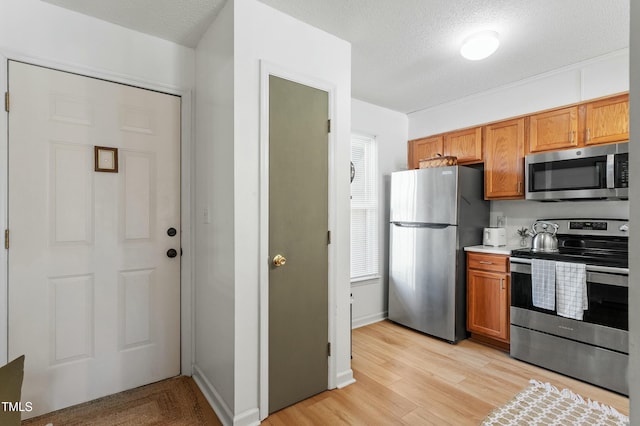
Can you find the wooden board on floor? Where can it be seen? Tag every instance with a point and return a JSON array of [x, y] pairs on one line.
[[406, 377]]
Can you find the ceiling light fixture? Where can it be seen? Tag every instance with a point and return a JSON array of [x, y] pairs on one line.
[[480, 45]]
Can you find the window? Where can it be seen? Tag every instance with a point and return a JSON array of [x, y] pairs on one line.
[[364, 209]]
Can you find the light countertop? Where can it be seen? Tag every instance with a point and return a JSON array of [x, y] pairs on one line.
[[493, 250]]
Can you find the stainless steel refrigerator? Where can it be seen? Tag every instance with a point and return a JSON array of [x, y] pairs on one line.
[[434, 214]]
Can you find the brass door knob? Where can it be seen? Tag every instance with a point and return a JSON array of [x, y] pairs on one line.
[[279, 260]]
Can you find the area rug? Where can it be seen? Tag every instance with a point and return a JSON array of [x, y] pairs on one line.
[[544, 404], [172, 402]]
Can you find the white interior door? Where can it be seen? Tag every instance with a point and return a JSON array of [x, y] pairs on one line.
[[94, 298]]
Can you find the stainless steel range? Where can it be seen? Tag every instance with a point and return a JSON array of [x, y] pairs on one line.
[[594, 349]]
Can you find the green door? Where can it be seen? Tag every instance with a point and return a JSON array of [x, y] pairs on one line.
[[298, 226]]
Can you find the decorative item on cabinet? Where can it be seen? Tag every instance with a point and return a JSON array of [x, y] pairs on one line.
[[438, 161]]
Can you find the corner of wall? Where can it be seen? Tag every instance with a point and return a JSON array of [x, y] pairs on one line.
[[345, 378], [247, 418], [221, 409]]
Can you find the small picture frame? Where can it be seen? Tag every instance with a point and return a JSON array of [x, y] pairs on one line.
[[106, 159]]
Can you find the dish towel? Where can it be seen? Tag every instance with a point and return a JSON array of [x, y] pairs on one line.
[[543, 283], [571, 282]]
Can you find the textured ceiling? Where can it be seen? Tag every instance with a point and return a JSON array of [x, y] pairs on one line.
[[181, 21], [405, 53]]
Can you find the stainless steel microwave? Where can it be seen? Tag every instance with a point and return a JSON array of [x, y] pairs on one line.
[[597, 172]]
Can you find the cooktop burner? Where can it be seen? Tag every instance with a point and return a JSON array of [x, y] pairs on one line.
[[602, 242], [590, 257]]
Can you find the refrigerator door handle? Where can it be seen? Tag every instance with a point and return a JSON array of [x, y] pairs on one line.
[[421, 225]]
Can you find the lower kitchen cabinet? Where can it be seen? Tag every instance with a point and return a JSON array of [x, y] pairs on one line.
[[488, 298]]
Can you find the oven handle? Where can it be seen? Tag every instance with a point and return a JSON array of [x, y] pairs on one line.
[[595, 274]]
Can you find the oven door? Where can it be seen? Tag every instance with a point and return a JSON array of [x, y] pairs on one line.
[[605, 323]]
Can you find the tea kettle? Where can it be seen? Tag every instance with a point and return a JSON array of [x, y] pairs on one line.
[[544, 240]]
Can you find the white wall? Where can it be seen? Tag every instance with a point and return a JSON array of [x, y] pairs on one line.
[[634, 252], [264, 34], [258, 34], [390, 131], [214, 271], [43, 34], [521, 213], [32, 29], [586, 80]]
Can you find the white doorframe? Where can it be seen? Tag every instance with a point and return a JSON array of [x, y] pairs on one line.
[[267, 69], [186, 195]]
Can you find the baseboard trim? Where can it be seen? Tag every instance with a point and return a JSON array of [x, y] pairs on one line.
[[368, 319], [222, 410], [248, 418], [345, 379]]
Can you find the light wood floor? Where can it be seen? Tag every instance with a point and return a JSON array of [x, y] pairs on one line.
[[405, 377]]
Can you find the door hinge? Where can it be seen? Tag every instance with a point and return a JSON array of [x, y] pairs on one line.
[[329, 349], [6, 239], [328, 237], [328, 126], [6, 101]]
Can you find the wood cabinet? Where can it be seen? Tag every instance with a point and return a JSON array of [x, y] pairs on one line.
[[464, 144], [553, 130], [488, 294], [504, 160], [589, 123], [605, 121], [421, 149]]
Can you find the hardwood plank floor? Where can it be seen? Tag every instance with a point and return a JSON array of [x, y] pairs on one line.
[[405, 377]]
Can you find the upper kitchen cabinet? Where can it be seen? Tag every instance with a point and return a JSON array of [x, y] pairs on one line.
[[504, 160], [553, 130], [424, 148], [605, 120], [464, 144]]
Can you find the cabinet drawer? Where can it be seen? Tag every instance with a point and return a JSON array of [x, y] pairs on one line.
[[488, 262]]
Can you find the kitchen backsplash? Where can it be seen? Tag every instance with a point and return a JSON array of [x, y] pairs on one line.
[[519, 213]]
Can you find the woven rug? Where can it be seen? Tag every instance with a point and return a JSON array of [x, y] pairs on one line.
[[171, 402], [544, 404]]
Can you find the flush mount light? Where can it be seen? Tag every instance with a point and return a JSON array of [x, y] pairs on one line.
[[480, 45]]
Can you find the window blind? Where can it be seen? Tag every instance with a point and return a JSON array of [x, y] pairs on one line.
[[364, 209]]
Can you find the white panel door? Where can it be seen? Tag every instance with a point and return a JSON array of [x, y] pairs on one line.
[[94, 298]]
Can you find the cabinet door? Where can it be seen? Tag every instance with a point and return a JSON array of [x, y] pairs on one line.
[[554, 130], [607, 120], [504, 160], [464, 144], [487, 304], [421, 149]]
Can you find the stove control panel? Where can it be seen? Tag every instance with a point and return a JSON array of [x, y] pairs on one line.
[[592, 226], [588, 226]]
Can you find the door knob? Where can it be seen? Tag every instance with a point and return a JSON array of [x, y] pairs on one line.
[[172, 253], [279, 260]]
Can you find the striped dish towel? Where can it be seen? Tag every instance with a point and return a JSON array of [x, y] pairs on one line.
[[571, 283], [543, 283]]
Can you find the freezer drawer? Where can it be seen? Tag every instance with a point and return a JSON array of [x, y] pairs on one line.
[[422, 278]]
